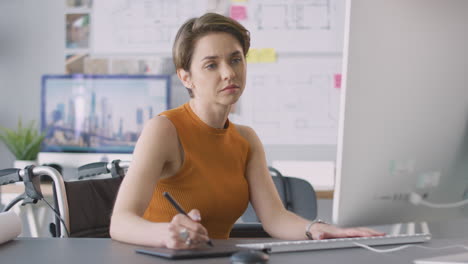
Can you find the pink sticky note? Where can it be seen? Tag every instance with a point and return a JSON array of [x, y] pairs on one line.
[[238, 12], [337, 78]]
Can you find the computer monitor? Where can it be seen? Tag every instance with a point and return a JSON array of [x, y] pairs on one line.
[[403, 125], [90, 118]]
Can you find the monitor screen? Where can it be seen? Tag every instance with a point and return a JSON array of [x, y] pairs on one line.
[[403, 125], [99, 113]]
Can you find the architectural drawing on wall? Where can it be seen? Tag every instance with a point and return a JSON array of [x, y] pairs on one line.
[[296, 26], [314, 15], [291, 95], [218, 6], [283, 15], [292, 102], [140, 26]]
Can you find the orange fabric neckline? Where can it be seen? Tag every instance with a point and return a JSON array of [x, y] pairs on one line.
[[203, 125]]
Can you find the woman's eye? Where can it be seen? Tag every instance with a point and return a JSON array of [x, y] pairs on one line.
[[211, 66], [236, 60]]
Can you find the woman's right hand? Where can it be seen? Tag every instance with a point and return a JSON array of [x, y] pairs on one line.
[[186, 232]]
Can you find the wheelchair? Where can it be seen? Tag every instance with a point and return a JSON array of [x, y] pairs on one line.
[[82, 208]]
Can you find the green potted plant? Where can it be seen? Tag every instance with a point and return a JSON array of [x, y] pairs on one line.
[[24, 143]]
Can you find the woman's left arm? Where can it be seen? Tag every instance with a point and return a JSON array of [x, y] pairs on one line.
[[276, 220]]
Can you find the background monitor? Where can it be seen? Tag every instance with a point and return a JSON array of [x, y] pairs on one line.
[[90, 118], [404, 112]]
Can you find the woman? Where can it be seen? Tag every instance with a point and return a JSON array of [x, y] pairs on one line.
[[208, 164]]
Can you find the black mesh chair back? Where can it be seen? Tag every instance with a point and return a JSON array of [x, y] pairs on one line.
[[297, 195]]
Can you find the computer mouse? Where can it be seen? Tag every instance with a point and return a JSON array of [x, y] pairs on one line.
[[249, 257]]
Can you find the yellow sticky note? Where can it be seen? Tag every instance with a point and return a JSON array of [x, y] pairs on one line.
[[268, 55], [253, 56]]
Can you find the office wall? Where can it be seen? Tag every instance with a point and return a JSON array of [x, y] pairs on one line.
[[32, 37]]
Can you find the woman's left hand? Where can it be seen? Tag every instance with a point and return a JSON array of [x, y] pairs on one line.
[[326, 231]]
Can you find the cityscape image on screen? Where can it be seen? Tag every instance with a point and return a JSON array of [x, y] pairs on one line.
[[99, 113]]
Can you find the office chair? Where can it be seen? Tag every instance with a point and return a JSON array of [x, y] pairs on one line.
[[297, 195]]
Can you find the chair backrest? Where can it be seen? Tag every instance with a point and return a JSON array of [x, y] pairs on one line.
[[90, 204], [91, 200], [297, 195]]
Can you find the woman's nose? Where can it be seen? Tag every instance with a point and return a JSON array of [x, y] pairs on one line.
[[227, 72]]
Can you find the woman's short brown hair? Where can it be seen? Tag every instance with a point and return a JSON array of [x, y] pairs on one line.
[[195, 28]]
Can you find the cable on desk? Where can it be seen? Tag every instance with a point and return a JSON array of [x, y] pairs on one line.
[[408, 246]]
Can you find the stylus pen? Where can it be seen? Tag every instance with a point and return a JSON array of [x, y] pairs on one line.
[[180, 210]]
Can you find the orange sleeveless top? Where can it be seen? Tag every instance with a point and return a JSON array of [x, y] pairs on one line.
[[211, 178]]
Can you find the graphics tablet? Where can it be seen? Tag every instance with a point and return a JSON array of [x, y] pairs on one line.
[[190, 253]]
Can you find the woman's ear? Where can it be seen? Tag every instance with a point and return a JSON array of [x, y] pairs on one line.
[[184, 77]]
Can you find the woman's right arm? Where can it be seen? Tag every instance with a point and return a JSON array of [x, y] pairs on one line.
[[156, 147]]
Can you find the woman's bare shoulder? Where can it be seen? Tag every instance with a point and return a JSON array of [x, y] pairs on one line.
[[159, 135], [248, 133], [160, 123]]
